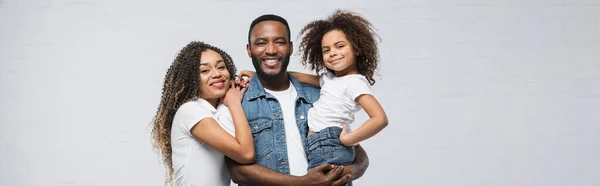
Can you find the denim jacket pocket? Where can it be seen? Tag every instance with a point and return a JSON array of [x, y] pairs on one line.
[[262, 132]]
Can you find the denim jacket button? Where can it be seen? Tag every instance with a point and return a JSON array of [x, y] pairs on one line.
[[301, 117]]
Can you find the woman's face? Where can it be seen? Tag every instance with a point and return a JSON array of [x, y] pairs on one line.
[[214, 77]]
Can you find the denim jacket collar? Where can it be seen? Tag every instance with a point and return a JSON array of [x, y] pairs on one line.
[[256, 90]]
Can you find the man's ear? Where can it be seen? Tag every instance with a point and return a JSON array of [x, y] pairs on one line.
[[291, 48], [248, 50]]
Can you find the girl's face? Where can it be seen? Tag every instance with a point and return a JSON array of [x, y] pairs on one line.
[[214, 77], [338, 53]]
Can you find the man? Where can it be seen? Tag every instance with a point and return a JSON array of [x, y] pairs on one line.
[[276, 106]]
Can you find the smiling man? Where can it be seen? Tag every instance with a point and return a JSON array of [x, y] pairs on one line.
[[276, 106]]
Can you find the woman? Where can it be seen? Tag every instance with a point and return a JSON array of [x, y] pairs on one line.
[[200, 118]]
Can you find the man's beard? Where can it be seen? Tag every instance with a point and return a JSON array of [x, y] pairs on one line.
[[259, 71]]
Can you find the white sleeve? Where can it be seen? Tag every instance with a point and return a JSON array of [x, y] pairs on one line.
[[357, 86], [325, 76], [189, 114], [225, 119]]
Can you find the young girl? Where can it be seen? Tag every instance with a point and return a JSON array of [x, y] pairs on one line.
[[200, 118], [343, 50]]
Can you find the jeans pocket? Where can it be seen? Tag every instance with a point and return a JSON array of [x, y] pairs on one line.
[[314, 157]]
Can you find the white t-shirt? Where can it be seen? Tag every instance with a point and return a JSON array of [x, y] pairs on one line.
[[336, 106], [295, 150], [193, 162]]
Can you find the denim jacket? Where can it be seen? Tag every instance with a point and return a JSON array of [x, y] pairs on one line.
[[266, 122]]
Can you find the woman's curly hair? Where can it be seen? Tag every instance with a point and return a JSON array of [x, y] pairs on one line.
[[359, 32], [181, 84]]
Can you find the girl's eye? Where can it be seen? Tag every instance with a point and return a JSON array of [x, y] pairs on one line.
[[203, 71], [222, 67]]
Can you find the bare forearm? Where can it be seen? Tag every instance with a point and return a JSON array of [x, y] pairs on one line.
[[360, 164], [371, 127], [255, 174], [242, 130], [306, 78]]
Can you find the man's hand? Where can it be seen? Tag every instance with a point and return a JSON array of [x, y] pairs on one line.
[[326, 174]]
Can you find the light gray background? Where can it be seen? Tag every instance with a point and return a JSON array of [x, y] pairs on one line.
[[478, 92]]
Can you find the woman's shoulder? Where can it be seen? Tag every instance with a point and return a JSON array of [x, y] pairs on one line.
[[190, 105], [193, 107]]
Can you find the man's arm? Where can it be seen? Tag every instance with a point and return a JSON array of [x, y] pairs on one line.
[[255, 174], [360, 164]]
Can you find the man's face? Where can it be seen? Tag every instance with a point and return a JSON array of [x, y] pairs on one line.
[[269, 48]]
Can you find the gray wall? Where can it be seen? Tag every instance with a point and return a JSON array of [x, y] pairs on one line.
[[478, 92]]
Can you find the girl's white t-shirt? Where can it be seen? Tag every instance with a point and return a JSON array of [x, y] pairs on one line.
[[337, 105], [193, 162]]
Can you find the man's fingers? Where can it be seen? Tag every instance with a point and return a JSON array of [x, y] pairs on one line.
[[323, 167], [344, 180], [335, 173]]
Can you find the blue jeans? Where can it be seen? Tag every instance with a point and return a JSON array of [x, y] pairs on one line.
[[325, 147]]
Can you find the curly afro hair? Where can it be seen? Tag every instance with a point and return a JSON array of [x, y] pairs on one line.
[[359, 32]]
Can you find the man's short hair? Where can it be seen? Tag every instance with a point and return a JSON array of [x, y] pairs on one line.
[[269, 17]]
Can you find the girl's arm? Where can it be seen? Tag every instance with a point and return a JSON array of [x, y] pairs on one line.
[[307, 78], [377, 121], [239, 148], [302, 77]]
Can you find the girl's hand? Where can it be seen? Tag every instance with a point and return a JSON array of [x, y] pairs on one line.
[[344, 137], [234, 95]]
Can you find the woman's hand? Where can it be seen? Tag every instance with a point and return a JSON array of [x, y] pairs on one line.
[[243, 79], [234, 94], [246, 73]]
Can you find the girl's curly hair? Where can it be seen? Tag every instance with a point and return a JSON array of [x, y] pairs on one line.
[[359, 32], [181, 84]]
